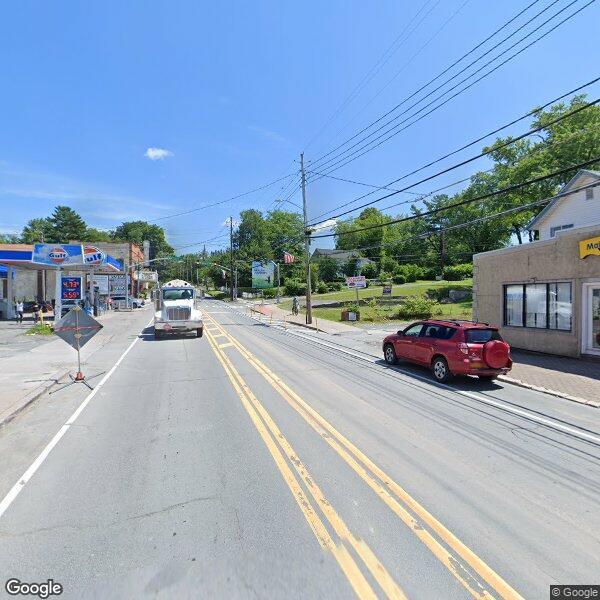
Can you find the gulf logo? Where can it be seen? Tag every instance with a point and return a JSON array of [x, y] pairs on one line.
[[57, 255], [92, 255]]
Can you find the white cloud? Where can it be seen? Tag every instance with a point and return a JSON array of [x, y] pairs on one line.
[[324, 225], [157, 153]]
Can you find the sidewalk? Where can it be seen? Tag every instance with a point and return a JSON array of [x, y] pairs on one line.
[[31, 365], [570, 378]]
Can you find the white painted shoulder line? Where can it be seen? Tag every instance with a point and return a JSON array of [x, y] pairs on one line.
[[36, 464]]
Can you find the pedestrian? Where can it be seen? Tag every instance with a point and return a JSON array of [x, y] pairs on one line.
[[295, 305], [19, 308]]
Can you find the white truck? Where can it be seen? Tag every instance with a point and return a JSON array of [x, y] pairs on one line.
[[176, 310]]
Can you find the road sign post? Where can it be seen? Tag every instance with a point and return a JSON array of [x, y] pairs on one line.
[[77, 328]]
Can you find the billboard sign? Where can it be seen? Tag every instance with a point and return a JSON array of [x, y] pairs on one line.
[[146, 246], [101, 282], [356, 283], [262, 274], [57, 255], [117, 284], [70, 288]]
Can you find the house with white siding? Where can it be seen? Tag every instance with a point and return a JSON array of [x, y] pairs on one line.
[[545, 295], [579, 209]]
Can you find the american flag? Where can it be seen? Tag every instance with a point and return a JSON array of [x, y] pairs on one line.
[[288, 258]]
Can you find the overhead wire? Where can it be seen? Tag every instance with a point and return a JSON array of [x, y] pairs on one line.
[[441, 74], [460, 164], [397, 129]]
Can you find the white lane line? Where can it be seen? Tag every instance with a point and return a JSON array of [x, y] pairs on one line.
[[497, 404], [36, 464]]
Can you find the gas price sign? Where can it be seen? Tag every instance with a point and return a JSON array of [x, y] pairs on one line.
[[71, 288]]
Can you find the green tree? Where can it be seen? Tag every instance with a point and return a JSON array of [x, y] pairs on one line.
[[328, 268], [67, 225], [138, 231], [37, 230], [97, 235]]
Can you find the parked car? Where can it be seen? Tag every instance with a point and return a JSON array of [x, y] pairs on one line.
[[451, 348]]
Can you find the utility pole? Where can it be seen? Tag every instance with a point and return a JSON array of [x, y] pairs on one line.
[[231, 257], [306, 242], [442, 253]]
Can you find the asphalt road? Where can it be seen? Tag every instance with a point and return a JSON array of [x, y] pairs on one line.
[[262, 463]]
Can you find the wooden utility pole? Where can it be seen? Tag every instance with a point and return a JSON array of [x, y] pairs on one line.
[[306, 242], [231, 259]]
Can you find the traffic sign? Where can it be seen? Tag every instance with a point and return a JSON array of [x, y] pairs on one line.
[[77, 328]]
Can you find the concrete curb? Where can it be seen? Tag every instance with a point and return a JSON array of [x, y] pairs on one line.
[[558, 394], [34, 394]]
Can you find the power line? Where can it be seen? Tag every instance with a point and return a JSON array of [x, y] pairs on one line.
[[192, 210], [397, 129], [373, 71], [510, 188], [406, 64], [464, 162], [456, 62], [439, 230], [377, 187]]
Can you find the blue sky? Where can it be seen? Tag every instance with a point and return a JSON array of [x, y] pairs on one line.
[[233, 92]]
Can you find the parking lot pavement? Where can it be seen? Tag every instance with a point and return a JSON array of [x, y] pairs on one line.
[[31, 364]]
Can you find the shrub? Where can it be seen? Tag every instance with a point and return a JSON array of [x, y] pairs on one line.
[[322, 288], [334, 286], [270, 292], [369, 270], [417, 307], [294, 288], [458, 272], [399, 278]]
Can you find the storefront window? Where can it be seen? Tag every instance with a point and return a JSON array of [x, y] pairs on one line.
[[560, 306], [535, 305], [539, 305], [513, 303]]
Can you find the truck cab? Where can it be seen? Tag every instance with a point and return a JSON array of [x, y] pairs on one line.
[[176, 310]]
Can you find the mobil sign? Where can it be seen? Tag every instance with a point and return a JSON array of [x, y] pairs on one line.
[[57, 255]]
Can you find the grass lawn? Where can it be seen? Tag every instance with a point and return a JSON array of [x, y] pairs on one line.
[[418, 288], [455, 310]]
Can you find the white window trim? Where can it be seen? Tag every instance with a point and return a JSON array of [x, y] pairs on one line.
[[585, 292]]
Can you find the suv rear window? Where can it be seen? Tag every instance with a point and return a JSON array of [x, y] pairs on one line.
[[481, 336]]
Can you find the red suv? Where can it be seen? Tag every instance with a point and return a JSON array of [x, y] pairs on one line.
[[451, 348]]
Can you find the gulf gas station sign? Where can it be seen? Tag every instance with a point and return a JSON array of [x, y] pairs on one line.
[[57, 255]]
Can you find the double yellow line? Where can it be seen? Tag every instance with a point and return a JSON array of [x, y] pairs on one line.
[[279, 447], [470, 570]]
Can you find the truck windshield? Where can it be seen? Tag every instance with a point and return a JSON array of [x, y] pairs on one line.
[[178, 294]]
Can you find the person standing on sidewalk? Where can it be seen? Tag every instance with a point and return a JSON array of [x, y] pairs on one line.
[[295, 305], [19, 309]]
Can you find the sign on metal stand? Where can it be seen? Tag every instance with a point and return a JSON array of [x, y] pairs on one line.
[[77, 328]]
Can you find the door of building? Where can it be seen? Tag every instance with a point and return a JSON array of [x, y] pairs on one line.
[[591, 319]]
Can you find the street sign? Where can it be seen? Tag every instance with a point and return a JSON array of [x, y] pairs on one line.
[[117, 284], [77, 328], [146, 276], [355, 283], [387, 290], [57, 255], [70, 288]]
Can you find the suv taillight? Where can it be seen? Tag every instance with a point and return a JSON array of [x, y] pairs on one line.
[[464, 348]]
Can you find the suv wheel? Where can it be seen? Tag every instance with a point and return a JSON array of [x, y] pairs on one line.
[[199, 332], [440, 370], [390, 355]]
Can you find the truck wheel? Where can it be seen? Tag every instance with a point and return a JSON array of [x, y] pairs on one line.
[[157, 334], [199, 332]]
